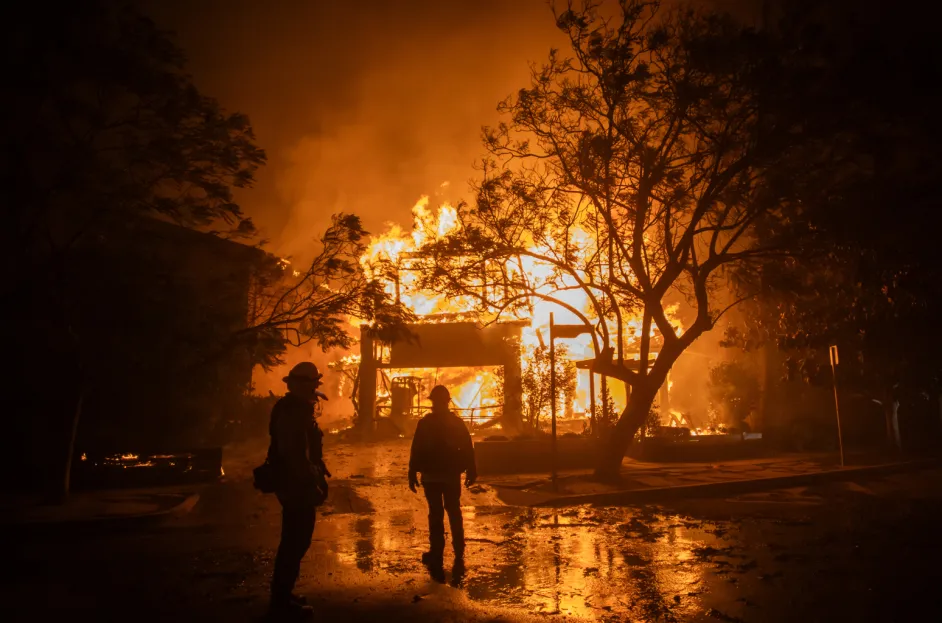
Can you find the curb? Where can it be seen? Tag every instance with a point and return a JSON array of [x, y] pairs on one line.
[[113, 522], [734, 487]]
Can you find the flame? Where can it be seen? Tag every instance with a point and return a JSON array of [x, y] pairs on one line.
[[347, 363], [474, 391], [387, 259], [390, 255], [350, 361]]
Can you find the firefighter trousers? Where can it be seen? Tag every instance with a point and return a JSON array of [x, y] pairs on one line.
[[297, 528], [444, 497]]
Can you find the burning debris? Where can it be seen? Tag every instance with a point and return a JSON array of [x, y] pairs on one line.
[[139, 468]]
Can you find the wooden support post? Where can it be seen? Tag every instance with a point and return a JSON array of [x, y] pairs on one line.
[[367, 390]]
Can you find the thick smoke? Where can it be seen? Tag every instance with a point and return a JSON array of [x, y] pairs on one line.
[[363, 106]]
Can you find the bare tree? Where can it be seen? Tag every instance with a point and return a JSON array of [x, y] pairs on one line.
[[633, 172]]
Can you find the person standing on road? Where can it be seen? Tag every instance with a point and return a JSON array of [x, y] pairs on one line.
[[441, 451], [296, 453]]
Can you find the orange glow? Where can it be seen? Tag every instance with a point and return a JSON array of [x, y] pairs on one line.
[[391, 257]]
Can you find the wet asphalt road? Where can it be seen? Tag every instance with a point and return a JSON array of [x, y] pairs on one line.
[[864, 551]]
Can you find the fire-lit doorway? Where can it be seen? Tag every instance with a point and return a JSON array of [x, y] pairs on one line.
[[479, 364]]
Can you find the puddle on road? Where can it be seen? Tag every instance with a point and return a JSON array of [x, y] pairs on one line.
[[595, 563], [586, 562]]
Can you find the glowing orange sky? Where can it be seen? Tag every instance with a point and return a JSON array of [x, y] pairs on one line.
[[362, 105]]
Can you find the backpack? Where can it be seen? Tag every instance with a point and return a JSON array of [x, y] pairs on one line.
[[265, 478]]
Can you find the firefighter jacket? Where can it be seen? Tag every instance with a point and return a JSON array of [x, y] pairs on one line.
[[442, 449], [297, 450]]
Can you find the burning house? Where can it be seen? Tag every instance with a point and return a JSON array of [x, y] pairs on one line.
[[494, 362]]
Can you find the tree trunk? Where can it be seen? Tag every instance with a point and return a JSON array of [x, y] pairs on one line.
[[765, 386], [65, 485], [632, 418], [73, 351], [892, 425]]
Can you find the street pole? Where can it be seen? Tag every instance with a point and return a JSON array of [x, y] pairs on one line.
[[553, 398], [832, 351], [595, 430]]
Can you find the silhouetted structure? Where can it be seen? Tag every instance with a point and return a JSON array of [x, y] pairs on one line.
[[153, 307]]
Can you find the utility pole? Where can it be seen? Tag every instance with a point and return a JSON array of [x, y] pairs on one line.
[[562, 331], [553, 398], [832, 351]]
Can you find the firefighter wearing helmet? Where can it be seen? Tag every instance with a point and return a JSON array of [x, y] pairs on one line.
[[441, 451], [296, 453]]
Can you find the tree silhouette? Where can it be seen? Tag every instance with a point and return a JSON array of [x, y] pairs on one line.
[[866, 275], [292, 308], [633, 172], [103, 127]]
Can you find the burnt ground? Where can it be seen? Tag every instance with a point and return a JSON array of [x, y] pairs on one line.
[[858, 551]]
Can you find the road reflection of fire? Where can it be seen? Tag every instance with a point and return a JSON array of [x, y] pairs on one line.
[[580, 565], [585, 562], [574, 564]]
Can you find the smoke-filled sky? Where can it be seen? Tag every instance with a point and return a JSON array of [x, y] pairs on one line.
[[362, 105]]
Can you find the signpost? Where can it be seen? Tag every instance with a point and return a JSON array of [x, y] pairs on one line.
[[561, 331], [553, 400], [832, 351]]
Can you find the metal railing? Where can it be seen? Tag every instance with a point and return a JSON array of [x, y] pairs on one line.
[[471, 415]]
